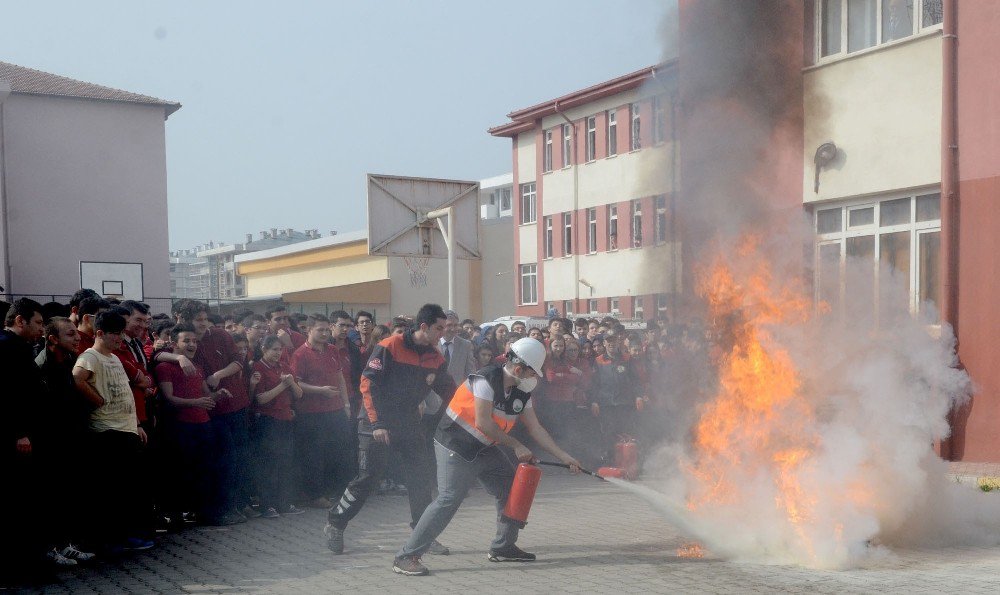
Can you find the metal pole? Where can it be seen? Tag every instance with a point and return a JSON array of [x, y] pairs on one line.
[[449, 242]]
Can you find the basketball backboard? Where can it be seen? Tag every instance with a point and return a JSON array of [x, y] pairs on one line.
[[397, 216]]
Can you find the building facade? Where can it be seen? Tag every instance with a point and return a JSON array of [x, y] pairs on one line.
[[593, 183], [95, 157], [209, 272]]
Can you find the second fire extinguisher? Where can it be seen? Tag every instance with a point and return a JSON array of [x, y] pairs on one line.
[[522, 493]]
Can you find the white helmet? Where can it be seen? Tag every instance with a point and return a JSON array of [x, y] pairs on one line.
[[530, 352]]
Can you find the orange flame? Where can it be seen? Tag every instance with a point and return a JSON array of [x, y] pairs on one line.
[[691, 550], [758, 423]]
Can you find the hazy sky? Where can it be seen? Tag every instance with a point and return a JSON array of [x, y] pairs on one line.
[[287, 105]]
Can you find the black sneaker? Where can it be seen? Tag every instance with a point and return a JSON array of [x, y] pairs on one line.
[[438, 549], [511, 553], [334, 539], [292, 509], [409, 566]]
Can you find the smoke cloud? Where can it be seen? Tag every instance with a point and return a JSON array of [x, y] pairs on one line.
[[808, 436]]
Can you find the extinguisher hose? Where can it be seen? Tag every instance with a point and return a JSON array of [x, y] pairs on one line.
[[565, 466]]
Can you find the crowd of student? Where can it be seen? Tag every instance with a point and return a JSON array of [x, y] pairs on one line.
[[148, 423]]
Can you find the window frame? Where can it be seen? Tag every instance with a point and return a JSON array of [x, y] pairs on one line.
[[529, 198], [636, 220], [659, 121], [591, 139], [611, 130], [567, 158], [660, 208], [547, 152], [547, 237], [635, 127], [638, 311], [592, 230], [529, 274], [567, 233], [612, 229], [918, 29], [917, 230]]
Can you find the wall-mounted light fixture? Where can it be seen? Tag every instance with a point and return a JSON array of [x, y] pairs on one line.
[[825, 154]]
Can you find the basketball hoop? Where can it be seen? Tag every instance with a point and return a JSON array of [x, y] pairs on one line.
[[417, 265]]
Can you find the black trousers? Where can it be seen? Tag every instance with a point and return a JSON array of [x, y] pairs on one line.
[[323, 451], [116, 505], [373, 461]]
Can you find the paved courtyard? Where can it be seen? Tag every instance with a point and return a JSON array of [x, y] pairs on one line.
[[590, 537]]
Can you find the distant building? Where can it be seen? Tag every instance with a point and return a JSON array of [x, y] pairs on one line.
[[83, 189], [590, 213], [209, 272], [337, 272], [496, 242]]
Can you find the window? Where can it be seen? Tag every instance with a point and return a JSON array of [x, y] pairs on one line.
[[661, 304], [637, 310], [591, 231], [567, 234], [528, 203], [614, 306], [659, 121], [567, 145], [529, 284], [547, 159], [633, 132], [592, 306], [612, 129], [548, 236], [661, 219], [860, 24], [501, 196], [612, 227], [568, 308], [899, 237], [637, 224], [591, 138]]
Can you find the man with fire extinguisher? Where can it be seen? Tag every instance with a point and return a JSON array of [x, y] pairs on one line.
[[467, 447]]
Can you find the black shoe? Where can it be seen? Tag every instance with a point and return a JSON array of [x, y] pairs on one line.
[[438, 549], [334, 539], [511, 553], [409, 566], [230, 518]]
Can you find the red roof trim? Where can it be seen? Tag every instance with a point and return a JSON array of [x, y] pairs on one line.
[[523, 119]]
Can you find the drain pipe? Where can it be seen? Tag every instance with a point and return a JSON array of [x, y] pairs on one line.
[[949, 189], [576, 210], [5, 90], [949, 168]]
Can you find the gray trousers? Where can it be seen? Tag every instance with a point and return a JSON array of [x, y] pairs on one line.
[[494, 469]]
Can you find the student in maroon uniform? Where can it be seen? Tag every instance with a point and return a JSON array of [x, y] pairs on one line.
[[274, 391], [191, 428], [280, 325], [221, 364], [322, 428], [87, 312]]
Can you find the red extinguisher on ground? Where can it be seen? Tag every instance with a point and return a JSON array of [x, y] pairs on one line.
[[627, 456], [522, 493]]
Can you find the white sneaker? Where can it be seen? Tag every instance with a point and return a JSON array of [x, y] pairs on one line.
[[71, 552], [58, 559]]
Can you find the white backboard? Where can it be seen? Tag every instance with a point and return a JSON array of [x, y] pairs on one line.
[[397, 208], [113, 279]]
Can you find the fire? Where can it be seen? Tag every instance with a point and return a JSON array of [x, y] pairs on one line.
[[758, 428], [691, 550]]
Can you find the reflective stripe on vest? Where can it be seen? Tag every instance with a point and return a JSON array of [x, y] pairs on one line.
[[462, 410]]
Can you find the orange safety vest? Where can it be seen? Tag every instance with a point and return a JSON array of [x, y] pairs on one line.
[[457, 430]]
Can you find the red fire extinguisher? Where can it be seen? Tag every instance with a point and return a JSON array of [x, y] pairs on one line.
[[627, 457], [522, 493]]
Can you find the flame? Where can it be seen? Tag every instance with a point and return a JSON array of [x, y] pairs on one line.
[[691, 550], [758, 428]]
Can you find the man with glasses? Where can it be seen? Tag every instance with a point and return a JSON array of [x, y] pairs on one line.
[[365, 326]]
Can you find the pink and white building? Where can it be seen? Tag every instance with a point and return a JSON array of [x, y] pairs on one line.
[[594, 185]]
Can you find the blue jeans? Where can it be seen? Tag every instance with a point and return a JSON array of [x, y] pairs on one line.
[[494, 468]]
